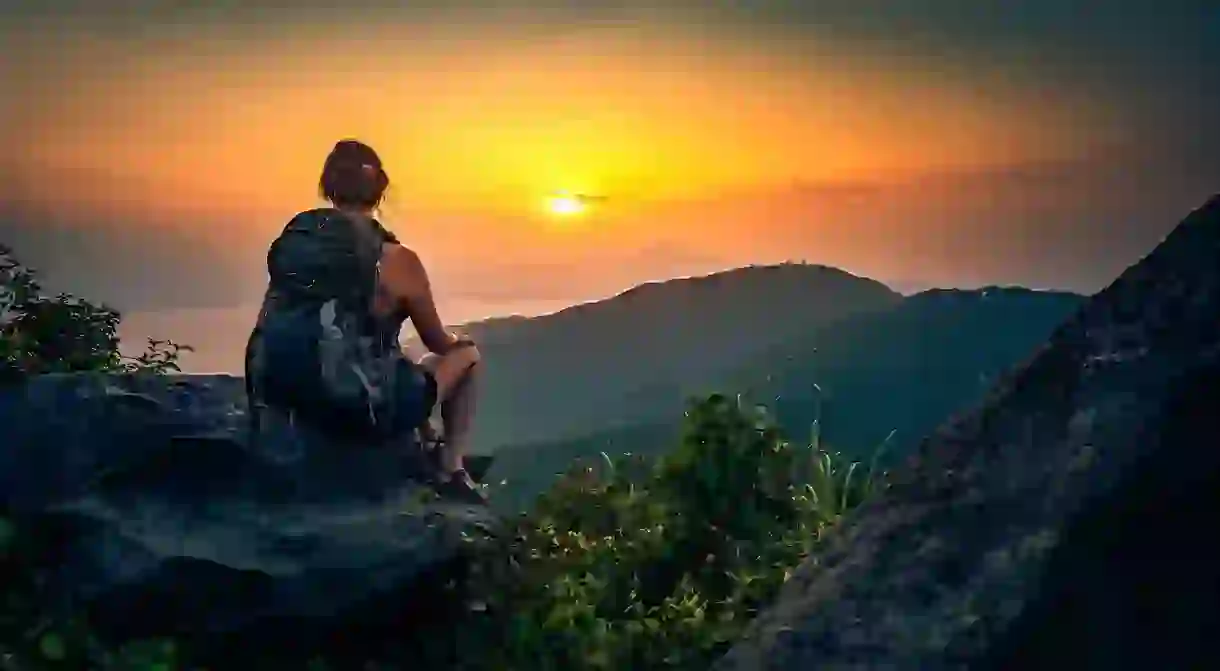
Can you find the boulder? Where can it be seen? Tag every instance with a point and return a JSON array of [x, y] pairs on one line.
[[1067, 521], [166, 520]]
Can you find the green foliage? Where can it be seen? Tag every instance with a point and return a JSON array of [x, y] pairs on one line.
[[640, 565], [55, 334]]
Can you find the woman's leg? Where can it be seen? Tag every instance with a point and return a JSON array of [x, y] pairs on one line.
[[456, 391]]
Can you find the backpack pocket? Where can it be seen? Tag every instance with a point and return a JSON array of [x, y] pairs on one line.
[[310, 362]]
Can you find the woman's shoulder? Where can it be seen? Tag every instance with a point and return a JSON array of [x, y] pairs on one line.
[[386, 235]]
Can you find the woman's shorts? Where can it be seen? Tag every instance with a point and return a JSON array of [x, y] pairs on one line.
[[414, 395]]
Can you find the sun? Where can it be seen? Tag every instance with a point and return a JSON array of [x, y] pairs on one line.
[[565, 205]]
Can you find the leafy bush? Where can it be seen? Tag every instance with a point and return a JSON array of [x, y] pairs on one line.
[[52, 334], [630, 563], [641, 565]]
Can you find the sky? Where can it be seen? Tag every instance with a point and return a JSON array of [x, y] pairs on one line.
[[153, 149]]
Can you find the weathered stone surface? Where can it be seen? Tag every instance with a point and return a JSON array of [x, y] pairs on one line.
[[1065, 522], [171, 522]]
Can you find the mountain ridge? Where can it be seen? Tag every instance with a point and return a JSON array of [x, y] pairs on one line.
[[666, 335], [660, 290], [893, 365]]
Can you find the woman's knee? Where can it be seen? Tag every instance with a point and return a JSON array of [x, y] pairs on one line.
[[464, 356], [429, 361], [452, 369], [469, 355]]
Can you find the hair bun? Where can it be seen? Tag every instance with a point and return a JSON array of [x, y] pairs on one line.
[[353, 176]]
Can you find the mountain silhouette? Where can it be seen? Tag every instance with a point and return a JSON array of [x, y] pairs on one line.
[[635, 356], [803, 340]]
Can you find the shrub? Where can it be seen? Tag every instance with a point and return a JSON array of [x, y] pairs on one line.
[[659, 565], [51, 334]]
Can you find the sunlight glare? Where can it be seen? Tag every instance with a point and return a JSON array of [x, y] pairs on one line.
[[565, 206]]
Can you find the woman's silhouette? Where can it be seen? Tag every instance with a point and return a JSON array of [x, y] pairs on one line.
[[326, 351]]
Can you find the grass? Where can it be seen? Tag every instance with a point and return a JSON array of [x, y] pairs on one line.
[[624, 563]]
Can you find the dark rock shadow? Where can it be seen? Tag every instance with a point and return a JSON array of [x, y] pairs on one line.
[[1135, 583]]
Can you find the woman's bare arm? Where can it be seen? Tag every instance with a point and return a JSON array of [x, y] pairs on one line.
[[403, 275]]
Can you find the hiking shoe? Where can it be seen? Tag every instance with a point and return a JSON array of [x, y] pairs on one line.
[[460, 487]]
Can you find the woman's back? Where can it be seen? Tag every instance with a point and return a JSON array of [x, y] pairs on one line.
[[324, 255], [317, 346]]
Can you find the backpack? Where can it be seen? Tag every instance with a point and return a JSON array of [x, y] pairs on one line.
[[317, 352]]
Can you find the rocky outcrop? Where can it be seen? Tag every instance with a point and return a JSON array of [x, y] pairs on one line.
[[1065, 522], [167, 521]]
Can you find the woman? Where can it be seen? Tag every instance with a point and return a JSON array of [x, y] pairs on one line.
[[326, 351]]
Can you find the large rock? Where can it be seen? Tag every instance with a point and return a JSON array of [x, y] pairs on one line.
[[1066, 522], [168, 521]]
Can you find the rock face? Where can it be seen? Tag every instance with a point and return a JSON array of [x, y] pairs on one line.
[[168, 521], [1066, 522]]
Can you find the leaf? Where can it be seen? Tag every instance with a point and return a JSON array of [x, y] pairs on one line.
[[846, 486], [52, 647]]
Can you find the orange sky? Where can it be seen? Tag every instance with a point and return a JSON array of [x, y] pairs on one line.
[[481, 121], [715, 143]]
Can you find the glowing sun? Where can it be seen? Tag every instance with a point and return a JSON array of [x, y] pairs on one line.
[[565, 206]]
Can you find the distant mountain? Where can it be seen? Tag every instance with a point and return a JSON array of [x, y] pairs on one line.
[[634, 358], [904, 368]]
